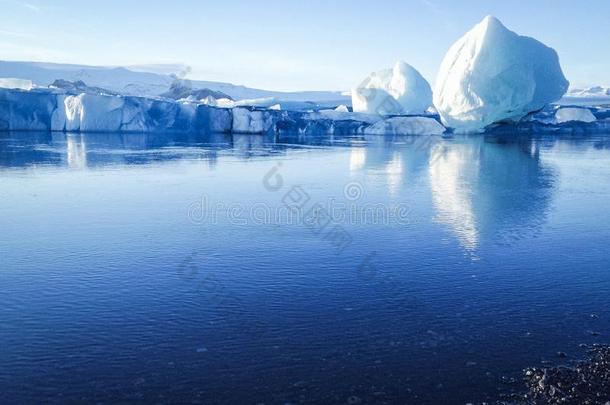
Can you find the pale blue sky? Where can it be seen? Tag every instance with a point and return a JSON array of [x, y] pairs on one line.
[[294, 45]]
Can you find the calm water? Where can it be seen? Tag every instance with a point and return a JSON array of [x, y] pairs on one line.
[[245, 270]]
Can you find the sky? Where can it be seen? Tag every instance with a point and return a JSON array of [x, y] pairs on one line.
[[293, 45]]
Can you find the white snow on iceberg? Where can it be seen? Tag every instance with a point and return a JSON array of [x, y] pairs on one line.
[[492, 74], [401, 90]]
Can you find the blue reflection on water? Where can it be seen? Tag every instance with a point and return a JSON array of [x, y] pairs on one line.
[[114, 289]]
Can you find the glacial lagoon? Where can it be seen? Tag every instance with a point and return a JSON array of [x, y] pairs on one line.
[[287, 269]]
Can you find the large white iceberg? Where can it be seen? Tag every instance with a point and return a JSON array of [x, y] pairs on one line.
[[401, 90], [492, 74]]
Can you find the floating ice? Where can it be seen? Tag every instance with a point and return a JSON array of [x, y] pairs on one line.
[[401, 90], [54, 110], [492, 74], [571, 114]]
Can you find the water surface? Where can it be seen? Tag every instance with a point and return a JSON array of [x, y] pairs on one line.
[[247, 269]]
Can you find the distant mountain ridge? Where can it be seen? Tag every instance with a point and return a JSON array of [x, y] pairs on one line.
[[597, 95], [596, 91], [137, 83], [181, 89], [79, 87]]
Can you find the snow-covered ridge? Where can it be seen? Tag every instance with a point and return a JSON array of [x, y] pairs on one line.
[[597, 95], [596, 91], [138, 83]]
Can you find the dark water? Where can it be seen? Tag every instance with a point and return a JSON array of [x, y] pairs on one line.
[[244, 270]]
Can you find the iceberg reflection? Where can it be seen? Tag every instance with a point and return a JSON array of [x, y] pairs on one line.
[[394, 173], [452, 172], [487, 188], [357, 159], [76, 151]]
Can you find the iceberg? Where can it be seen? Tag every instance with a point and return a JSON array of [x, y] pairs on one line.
[[53, 109], [573, 114], [401, 90], [406, 126], [374, 101], [492, 74]]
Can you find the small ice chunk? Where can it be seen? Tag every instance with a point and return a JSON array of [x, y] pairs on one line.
[[569, 114], [342, 109]]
